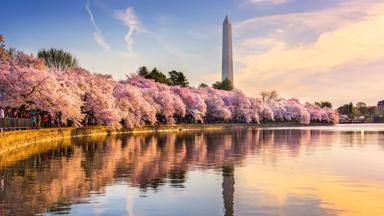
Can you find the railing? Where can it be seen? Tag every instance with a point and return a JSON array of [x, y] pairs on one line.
[[15, 123]]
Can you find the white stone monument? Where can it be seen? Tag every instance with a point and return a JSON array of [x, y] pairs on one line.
[[227, 66]]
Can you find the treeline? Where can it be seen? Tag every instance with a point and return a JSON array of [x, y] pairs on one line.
[[75, 96], [177, 78], [174, 78], [360, 111]]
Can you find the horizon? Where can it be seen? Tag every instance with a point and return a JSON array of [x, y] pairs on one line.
[[328, 51]]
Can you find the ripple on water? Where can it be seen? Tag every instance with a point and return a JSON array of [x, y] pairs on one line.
[[280, 171]]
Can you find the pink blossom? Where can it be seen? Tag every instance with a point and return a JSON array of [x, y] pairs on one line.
[[168, 104], [216, 109], [75, 93], [133, 108], [195, 105]]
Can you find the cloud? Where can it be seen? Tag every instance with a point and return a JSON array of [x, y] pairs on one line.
[[88, 8], [358, 43], [101, 41], [98, 36], [312, 22], [129, 19], [298, 51], [267, 2]]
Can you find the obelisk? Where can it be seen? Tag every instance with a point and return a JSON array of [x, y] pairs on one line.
[[227, 64]]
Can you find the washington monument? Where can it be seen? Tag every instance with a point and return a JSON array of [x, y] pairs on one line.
[[227, 66]]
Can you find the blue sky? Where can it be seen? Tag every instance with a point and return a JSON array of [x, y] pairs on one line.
[[278, 44]]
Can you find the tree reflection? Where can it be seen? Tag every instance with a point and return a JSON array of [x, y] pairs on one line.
[[52, 178]]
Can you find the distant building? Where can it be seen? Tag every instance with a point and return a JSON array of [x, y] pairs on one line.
[[380, 106], [343, 117], [227, 64]]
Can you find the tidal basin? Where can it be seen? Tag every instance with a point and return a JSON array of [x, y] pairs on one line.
[[335, 170]]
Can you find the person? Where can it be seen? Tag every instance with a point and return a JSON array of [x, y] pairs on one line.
[[45, 121], [26, 115], [14, 113], [52, 122], [33, 119], [2, 112], [38, 119], [7, 112], [2, 115]]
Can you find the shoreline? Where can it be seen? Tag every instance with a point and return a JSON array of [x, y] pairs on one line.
[[13, 140]]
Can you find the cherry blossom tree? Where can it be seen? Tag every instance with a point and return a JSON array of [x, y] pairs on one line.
[[216, 109], [296, 111], [25, 80], [96, 93], [242, 108], [333, 116], [75, 94], [167, 104], [265, 111], [278, 110], [318, 114], [133, 108], [315, 112], [195, 104]]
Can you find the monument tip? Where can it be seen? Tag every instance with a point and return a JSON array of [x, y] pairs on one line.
[[226, 18]]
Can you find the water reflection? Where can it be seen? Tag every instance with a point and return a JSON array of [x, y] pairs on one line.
[[228, 188], [264, 172]]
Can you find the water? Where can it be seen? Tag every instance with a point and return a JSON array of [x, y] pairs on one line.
[[285, 171]]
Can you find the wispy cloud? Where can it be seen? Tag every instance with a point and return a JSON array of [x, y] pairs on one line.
[[129, 19], [98, 36], [101, 41], [267, 2]]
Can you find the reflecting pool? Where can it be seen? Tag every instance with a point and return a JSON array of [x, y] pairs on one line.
[[246, 171]]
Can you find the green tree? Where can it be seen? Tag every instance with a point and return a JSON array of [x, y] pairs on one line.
[[343, 110], [178, 79], [324, 104], [12, 52], [157, 76], [203, 85], [143, 71], [3, 53], [268, 96], [225, 85], [349, 109], [175, 78], [372, 111], [57, 58], [363, 108]]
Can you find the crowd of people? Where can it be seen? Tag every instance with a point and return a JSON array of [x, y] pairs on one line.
[[38, 118], [2, 112]]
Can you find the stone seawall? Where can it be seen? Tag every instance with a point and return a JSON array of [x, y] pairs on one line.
[[10, 140], [13, 140]]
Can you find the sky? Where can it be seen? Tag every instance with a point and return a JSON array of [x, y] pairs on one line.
[[308, 49]]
